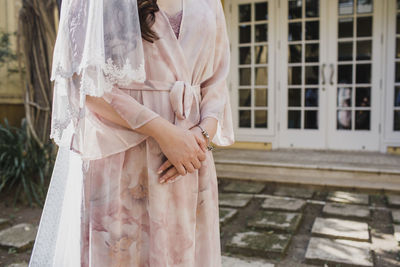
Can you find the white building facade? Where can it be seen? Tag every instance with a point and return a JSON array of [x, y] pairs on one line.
[[317, 74]]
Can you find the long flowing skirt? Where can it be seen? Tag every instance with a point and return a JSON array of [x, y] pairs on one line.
[[130, 219]]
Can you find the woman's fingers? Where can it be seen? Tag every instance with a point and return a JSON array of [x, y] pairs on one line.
[[196, 163], [189, 166], [164, 166], [202, 143], [169, 174]]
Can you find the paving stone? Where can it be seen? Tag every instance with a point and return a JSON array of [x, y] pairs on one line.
[[20, 236], [4, 223], [396, 232], [348, 197], [244, 187], [228, 261], [20, 264], [276, 220], [283, 203], [234, 200], [393, 200], [226, 214], [338, 251], [339, 228], [291, 191], [346, 210], [396, 216], [261, 244]]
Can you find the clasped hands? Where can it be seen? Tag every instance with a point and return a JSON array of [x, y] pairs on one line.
[[184, 156]]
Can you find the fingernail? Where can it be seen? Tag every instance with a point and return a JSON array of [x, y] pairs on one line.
[[159, 171], [171, 181]]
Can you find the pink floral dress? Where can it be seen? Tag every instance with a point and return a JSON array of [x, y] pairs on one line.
[[128, 217]]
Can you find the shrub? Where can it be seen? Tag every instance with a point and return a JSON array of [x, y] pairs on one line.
[[25, 167]]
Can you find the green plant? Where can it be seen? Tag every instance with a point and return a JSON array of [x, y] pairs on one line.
[[25, 167], [6, 52]]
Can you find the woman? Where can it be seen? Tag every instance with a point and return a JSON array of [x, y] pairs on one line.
[[149, 185]]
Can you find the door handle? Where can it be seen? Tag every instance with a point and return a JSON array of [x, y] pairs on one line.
[[323, 74], [332, 73]]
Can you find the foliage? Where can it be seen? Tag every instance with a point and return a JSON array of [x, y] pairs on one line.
[[37, 32], [25, 166], [6, 53]]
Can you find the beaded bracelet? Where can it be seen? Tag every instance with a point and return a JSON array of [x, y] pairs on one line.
[[205, 133]]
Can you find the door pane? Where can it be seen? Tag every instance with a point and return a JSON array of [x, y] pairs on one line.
[[354, 77], [261, 54], [261, 117], [262, 11], [294, 119], [364, 50], [261, 97], [244, 55], [345, 27], [312, 8], [311, 119], [345, 51], [252, 24], [245, 118], [363, 96], [303, 64], [346, 7], [244, 97], [244, 13], [295, 9], [396, 104], [363, 119], [364, 6]]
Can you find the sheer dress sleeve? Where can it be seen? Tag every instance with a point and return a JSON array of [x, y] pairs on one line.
[[215, 95]]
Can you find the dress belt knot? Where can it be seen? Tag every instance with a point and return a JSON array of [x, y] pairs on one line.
[[181, 96]]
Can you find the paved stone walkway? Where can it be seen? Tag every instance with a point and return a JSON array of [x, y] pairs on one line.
[[299, 226], [279, 225]]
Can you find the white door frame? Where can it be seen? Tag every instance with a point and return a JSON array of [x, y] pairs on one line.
[[301, 138], [251, 134], [357, 139], [391, 137]]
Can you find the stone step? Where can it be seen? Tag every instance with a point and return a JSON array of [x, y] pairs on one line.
[[228, 261], [260, 244], [347, 210], [244, 187], [276, 220], [20, 236], [338, 252], [348, 197], [226, 215], [308, 175], [234, 200], [339, 228], [282, 203], [294, 191]]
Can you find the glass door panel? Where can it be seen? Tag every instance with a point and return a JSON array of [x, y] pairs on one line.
[[303, 45], [392, 130], [354, 86], [251, 56]]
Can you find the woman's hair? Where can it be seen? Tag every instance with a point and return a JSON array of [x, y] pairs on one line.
[[146, 9]]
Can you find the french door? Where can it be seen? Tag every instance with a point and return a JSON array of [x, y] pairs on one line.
[[308, 72], [253, 73], [392, 109]]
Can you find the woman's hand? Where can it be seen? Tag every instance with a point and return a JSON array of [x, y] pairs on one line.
[[171, 174], [183, 148]]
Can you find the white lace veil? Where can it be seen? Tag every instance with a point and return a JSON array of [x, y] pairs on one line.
[[99, 41], [98, 45]]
